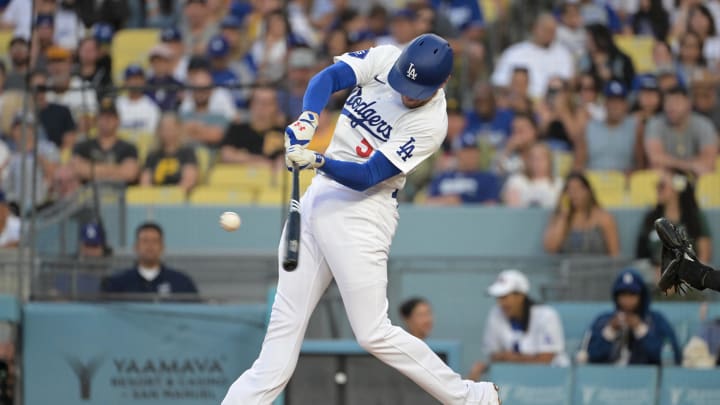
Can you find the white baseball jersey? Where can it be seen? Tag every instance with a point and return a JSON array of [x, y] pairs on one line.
[[374, 118], [544, 334]]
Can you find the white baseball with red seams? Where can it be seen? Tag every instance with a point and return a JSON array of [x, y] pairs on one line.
[[346, 236]]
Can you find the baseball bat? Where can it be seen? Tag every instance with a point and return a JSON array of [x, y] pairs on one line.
[[292, 231]]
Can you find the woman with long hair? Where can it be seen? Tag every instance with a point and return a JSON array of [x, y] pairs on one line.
[[690, 59], [604, 59], [580, 225], [676, 202], [651, 19], [171, 162], [701, 22], [536, 186], [561, 122]]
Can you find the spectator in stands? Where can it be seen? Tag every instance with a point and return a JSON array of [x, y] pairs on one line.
[[466, 184], [561, 122], [138, 113], [662, 55], [106, 157], [66, 88], [535, 186], [700, 22], [690, 59], [571, 30], [64, 183], [48, 159], [103, 34], [632, 333], [149, 275], [589, 91], [651, 19], [9, 225], [301, 64], [676, 202], [668, 78], [520, 81], [490, 125], [207, 111], [613, 144], [42, 40], [524, 134], [162, 14], [705, 97], [542, 56], [417, 316], [233, 30], [173, 39], [223, 76], [679, 138], [172, 162], [92, 241], [648, 100], [91, 69], [268, 52], [466, 17], [604, 59], [19, 57], [518, 329], [198, 26], [165, 90], [336, 43], [56, 119], [261, 140], [580, 225], [402, 28]]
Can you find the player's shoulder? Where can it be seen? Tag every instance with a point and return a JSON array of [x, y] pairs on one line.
[[381, 52]]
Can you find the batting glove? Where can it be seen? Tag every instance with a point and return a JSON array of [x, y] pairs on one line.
[[301, 131], [303, 158]]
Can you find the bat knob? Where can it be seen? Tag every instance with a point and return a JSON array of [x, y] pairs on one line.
[[290, 265]]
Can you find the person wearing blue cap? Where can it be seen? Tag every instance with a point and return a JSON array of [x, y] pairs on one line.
[[632, 333], [138, 112], [614, 143], [92, 241], [44, 37], [172, 38], [394, 119], [465, 184], [218, 51], [648, 99], [402, 29], [164, 89]]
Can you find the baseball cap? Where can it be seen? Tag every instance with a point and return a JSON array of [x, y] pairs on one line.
[[218, 47], [231, 22], [677, 89], [627, 282], [170, 34], [134, 71], [58, 53], [647, 82], [422, 67], [160, 51], [107, 106], [103, 33], [615, 89], [3, 199], [404, 13], [45, 20], [468, 140], [92, 234], [509, 281], [301, 58], [241, 9]]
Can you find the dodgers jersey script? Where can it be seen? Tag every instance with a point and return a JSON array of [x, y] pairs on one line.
[[374, 119]]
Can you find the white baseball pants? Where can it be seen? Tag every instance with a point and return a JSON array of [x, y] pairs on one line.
[[346, 235]]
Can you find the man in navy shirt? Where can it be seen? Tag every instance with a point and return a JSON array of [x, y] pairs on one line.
[[149, 275]]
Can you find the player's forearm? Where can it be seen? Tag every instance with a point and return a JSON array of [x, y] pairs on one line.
[[333, 78], [360, 176]]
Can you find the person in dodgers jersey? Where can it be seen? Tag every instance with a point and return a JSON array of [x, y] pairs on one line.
[[394, 118]]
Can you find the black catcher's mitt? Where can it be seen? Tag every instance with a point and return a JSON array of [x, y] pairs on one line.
[[679, 265]]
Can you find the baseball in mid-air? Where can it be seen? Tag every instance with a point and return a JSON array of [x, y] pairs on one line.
[[230, 221]]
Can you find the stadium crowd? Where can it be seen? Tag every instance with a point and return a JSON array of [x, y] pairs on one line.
[[600, 103]]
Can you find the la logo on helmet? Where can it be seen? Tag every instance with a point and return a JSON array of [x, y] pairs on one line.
[[411, 72]]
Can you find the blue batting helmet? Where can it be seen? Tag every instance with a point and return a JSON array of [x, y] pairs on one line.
[[422, 67]]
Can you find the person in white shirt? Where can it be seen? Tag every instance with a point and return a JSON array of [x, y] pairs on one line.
[[571, 31], [518, 330], [138, 112], [83, 104], [10, 225], [536, 186], [542, 56]]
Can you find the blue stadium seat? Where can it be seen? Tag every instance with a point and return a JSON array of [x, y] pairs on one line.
[[682, 386], [609, 385], [532, 384], [576, 319]]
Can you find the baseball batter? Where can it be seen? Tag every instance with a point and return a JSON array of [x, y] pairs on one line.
[[394, 118]]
